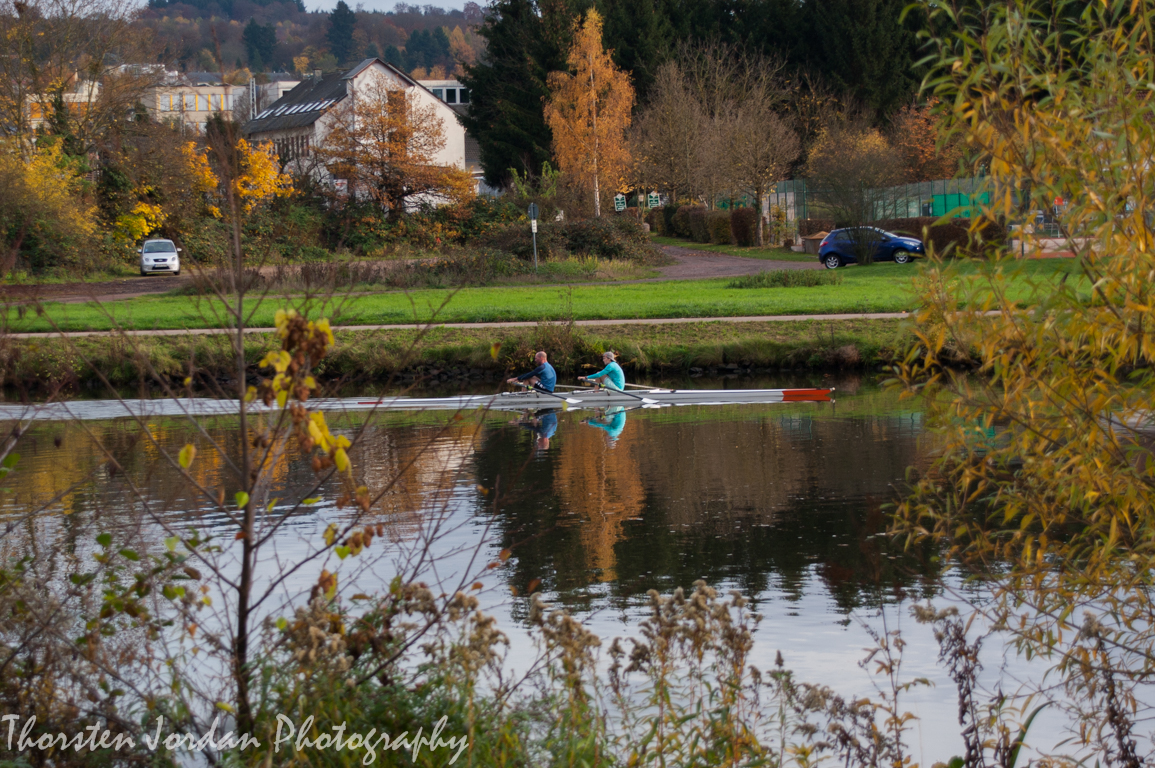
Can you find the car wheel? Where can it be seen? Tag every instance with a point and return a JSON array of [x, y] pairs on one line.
[[833, 261], [902, 257], [143, 273], [177, 272]]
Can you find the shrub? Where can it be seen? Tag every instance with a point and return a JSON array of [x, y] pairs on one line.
[[668, 219], [744, 226], [699, 227], [807, 227], [656, 218], [787, 278], [718, 224], [615, 237], [788, 242], [681, 220], [610, 237], [953, 234]]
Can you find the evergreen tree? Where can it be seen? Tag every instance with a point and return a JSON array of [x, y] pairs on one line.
[[371, 51], [341, 23], [260, 43], [439, 48], [526, 40], [639, 37], [861, 47], [393, 56]]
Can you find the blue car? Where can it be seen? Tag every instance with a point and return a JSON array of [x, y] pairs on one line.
[[838, 248]]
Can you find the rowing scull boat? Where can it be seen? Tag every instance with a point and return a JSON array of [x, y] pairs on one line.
[[87, 410]]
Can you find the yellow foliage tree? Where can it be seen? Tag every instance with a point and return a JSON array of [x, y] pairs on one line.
[[387, 146], [258, 179], [40, 203], [589, 113]]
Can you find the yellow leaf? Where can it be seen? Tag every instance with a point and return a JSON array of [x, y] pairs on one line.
[[186, 456]]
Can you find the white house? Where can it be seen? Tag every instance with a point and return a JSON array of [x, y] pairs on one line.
[[300, 120], [456, 96]]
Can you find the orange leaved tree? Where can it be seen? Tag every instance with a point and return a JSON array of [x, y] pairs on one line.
[[387, 147], [589, 112]]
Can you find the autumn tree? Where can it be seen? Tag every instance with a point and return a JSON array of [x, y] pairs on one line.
[[915, 135], [386, 144], [589, 112], [1044, 485], [666, 136], [44, 220], [850, 169]]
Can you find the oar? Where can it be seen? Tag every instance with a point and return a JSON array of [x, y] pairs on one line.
[[645, 400], [570, 400]]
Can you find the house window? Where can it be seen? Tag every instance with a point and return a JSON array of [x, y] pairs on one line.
[[450, 95], [464, 95], [204, 103], [216, 102], [439, 93], [190, 102]]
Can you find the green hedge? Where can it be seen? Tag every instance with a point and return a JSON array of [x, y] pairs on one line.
[[699, 226], [718, 223], [744, 226]]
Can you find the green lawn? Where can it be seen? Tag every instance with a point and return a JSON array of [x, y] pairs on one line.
[[771, 254], [879, 288]]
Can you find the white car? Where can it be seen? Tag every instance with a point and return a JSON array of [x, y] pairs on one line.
[[159, 256]]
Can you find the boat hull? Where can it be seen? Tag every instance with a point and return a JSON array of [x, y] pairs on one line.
[[86, 410]]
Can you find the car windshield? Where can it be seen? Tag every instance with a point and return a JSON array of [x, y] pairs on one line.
[[160, 246], [883, 232]]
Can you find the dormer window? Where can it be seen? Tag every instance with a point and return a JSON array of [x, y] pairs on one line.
[[439, 93], [450, 95]]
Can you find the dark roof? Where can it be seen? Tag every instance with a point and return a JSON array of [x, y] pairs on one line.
[[301, 106], [204, 78], [312, 97]]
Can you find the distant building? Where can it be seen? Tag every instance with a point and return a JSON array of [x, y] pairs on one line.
[[78, 96], [299, 121], [456, 96], [266, 89], [190, 99]]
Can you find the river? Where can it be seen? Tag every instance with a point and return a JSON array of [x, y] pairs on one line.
[[785, 503]]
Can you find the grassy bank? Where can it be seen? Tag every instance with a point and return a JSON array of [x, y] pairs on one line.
[[371, 357], [879, 288]]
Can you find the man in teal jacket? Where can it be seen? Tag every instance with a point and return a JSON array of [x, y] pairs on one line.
[[612, 376]]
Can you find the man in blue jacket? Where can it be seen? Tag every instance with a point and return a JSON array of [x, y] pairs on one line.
[[543, 377]]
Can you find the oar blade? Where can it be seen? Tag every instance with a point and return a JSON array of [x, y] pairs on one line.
[[572, 401], [648, 401]]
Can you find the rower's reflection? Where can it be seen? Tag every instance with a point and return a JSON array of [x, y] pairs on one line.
[[543, 422], [612, 420]]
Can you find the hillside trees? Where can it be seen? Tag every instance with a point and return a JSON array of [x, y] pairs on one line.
[[260, 44], [589, 111], [386, 147]]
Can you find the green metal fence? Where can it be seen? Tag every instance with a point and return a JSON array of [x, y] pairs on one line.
[[953, 197]]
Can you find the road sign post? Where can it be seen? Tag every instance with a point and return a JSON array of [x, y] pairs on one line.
[[533, 229], [619, 202]]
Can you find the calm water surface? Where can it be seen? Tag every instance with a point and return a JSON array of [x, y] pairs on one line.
[[785, 503]]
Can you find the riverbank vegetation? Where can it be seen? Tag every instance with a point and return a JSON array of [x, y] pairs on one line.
[[375, 358]]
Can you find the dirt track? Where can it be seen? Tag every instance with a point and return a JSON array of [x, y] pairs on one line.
[[689, 264]]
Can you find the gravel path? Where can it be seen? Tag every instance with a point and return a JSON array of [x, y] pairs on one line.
[[699, 265]]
